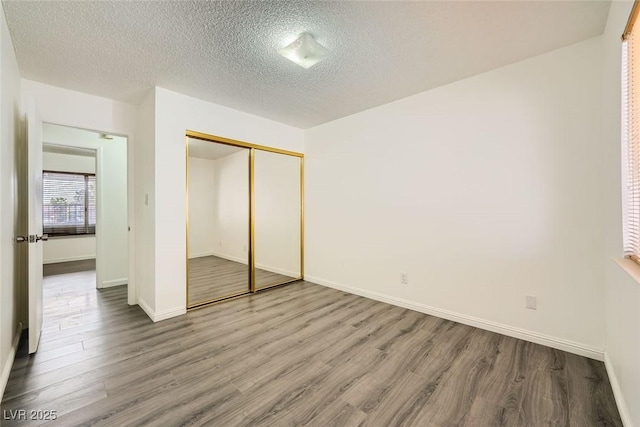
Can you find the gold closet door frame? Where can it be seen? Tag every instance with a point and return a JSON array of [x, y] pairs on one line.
[[224, 297], [252, 269]]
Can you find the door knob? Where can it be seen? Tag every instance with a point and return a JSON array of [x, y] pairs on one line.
[[44, 238], [21, 239]]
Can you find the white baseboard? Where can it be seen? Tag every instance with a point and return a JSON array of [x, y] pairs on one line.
[[617, 392], [230, 258], [112, 283], [278, 270], [145, 307], [8, 364], [219, 255], [69, 259], [201, 255], [163, 315], [511, 331], [168, 314]]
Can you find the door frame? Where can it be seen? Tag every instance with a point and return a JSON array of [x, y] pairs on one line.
[[132, 295]]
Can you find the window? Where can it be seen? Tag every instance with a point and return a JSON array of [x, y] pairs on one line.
[[69, 203], [631, 137]]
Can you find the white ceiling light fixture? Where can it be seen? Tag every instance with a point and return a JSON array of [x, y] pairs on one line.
[[305, 51]]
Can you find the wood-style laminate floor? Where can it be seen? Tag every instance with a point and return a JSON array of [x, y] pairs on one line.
[[68, 267], [297, 355], [212, 277]]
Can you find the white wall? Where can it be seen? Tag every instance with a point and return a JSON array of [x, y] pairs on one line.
[[231, 218], [145, 205], [277, 213], [10, 259], [202, 207], [111, 182], [622, 292], [59, 162], [219, 209], [79, 110], [68, 248], [483, 191], [175, 113]]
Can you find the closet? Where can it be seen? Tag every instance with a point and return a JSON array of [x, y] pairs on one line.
[[244, 218]]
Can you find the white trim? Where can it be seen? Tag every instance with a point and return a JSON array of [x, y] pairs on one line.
[[115, 282], [163, 315], [278, 270], [230, 257], [202, 255], [100, 209], [617, 392], [168, 314], [511, 331], [69, 259], [6, 369], [145, 307], [630, 267], [132, 293]]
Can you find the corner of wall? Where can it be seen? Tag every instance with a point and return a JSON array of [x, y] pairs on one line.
[[144, 215], [625, 415], [8, 364], [158, 316]]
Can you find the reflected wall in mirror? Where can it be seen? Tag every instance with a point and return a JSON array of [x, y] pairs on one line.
[[218, 221], [277, 216]]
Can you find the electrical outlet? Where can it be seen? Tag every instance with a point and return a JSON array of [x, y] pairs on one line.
[[531, 302], [404, 278]]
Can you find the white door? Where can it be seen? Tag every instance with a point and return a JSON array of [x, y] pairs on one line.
[[34, 212]]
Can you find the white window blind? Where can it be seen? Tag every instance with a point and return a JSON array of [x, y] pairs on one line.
[[69, 203], [631, 139]]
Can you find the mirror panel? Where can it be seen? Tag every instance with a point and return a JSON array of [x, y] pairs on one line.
[[218, 221], [277, 218]]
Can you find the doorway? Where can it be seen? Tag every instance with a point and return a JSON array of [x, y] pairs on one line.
[[85, 204]]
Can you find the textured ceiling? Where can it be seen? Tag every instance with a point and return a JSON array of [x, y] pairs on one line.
[[225, 51]]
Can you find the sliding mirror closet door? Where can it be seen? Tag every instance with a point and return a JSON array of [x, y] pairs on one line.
[[277, 218], [218, 221]]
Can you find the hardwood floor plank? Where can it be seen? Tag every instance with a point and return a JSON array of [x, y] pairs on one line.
[[212, 277], [328, 398], [60, 268], [588, 390], [65, 403], [339, 414], [107, 410]]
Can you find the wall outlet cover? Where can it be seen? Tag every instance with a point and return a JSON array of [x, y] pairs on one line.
[[531, 302]]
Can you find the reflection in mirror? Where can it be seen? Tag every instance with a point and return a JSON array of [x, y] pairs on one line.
[[218, 221], [277, 218]]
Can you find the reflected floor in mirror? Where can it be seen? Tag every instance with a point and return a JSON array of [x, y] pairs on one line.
[[265, 279], [212, 277]]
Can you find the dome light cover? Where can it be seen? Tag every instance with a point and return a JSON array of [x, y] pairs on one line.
[[304, 51]]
